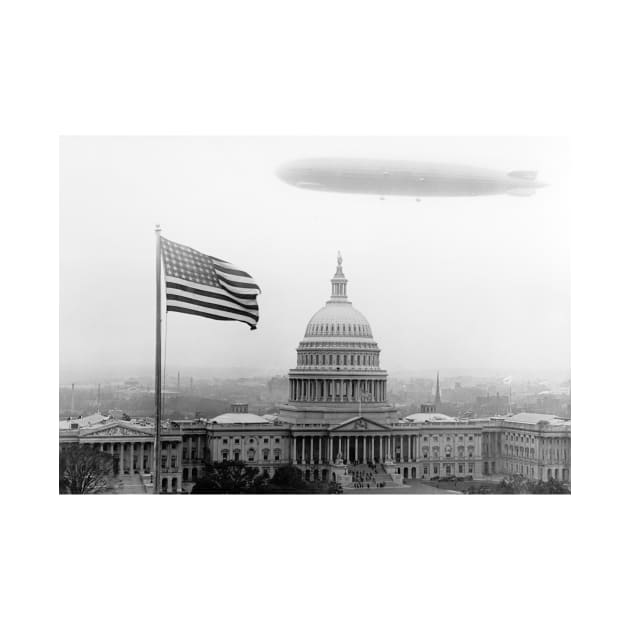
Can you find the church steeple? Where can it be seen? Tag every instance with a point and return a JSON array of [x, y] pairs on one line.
[[438, 398], [339, 283]]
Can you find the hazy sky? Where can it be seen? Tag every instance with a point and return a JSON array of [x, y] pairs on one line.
[[470, 283]]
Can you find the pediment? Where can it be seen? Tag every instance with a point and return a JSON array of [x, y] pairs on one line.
[[119, 429], [359, 423]]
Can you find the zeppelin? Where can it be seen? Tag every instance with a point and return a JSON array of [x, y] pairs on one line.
[[412, 179]]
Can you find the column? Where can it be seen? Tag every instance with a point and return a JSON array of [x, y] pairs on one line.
[[311, 449], [294, 450], [347, 448], [302, 458]]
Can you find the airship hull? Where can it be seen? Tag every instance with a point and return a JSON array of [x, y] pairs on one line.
[[413, 179]]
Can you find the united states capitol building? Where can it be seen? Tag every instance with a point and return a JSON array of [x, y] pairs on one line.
[[336, 422]]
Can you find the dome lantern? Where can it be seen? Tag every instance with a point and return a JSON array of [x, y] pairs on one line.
[[339, 283]]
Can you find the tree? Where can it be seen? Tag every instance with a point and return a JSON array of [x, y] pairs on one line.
[[236, 477], [553, 486], [289, 480], [513, 484], [230, 477], [83, 470], [518, 484], [289, 477]]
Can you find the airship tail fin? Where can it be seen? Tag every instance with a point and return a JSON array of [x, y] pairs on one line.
[[521, 192], [529, 175]]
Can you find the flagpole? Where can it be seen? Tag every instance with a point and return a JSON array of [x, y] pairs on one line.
[[158, 360]]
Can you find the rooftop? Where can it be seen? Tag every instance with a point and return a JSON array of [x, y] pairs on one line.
[[238, 418]]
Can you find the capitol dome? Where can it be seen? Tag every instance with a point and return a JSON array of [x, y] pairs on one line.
[[338, 336], [338, 374], [338, 319]]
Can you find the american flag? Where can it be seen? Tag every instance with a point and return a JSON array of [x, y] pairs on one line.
[[203, 285]]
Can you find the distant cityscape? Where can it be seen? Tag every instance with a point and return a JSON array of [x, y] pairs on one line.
[[189, 397]]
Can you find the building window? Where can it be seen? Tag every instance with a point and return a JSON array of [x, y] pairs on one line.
[[470, 468], [460, 468], [425, 439], [266, 454], [435, 469], [266, 440], [225, 441], [224, 455], [236, 441], [426, 470], [250, 455], [276, 454], [277, 440]]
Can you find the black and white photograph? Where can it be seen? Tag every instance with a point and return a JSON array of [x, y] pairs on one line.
[[331, 315], [314, 292]]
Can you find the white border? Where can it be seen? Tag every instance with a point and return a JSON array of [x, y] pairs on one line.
[[337, 68]]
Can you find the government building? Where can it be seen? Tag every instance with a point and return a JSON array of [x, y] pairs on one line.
[[336, 423]]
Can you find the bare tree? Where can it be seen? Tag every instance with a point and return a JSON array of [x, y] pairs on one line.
[[83, 470]]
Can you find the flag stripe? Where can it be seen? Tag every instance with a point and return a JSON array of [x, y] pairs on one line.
[[177, 309], [245, 300], [242, 285], [172, 296], [232, 270], [209, 312], [209, 292], [238, 294], [227, 276]]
